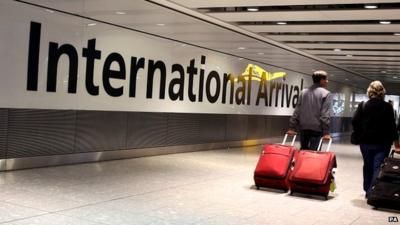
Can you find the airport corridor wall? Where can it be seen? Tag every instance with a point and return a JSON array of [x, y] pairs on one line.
[[78, 86], [37, 132]]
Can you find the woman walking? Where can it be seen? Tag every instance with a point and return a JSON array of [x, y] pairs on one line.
[[374, 122]]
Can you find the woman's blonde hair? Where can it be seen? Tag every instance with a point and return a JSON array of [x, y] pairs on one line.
[[376, 90]]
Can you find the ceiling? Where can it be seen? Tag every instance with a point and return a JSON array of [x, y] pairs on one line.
[[343, 32]]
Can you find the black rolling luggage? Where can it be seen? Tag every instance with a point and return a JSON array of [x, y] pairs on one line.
[[390, 169], [386, 191]]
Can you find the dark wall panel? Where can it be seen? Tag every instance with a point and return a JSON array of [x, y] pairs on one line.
[[40, 132], [336, 124], [346, 124], [183, 129], [256, 127], [30, 132], [100, 131], [236, 127], [277, 125], [146, 130], [3, 132], [212, 128]]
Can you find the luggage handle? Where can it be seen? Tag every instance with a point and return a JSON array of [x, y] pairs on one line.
[[286, 135], [320, 144]]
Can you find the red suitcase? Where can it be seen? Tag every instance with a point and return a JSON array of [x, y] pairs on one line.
[[312, 171], [273, 165]]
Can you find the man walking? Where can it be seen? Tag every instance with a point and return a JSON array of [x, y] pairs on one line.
[[312, 114]]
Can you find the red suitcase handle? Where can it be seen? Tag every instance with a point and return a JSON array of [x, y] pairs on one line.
[[320, 144], [284, 139]]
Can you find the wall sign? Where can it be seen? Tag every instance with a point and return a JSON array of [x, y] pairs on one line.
[[62, 66]]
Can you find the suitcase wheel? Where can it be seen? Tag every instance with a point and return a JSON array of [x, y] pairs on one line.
[[291, 192], [258, 187]]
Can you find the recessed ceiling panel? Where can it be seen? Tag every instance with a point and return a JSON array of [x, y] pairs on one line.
[[371, 66], [326, 28], [369, 58], [360, 62], [347, 46], [355, 52], [244, 3], [337, 38], [309, 15]]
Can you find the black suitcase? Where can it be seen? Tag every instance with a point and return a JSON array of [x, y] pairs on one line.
[[386, 191], [390, 169], [385, 195]]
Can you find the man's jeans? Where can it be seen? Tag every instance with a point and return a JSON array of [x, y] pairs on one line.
[[309, 139], [373, 156]]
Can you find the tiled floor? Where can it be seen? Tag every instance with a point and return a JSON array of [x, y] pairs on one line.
[[210, 187]]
